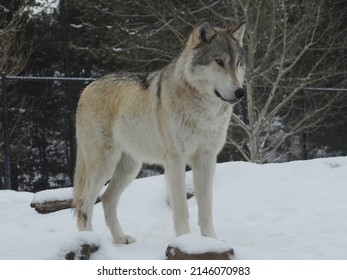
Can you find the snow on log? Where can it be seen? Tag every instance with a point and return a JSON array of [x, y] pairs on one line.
[[196, 247], [48, 201]]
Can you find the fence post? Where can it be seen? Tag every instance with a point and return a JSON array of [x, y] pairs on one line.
[[7, 149]]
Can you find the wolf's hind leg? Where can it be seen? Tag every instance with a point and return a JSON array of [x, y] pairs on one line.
[[96, 171], [85, 205], [126, 170]]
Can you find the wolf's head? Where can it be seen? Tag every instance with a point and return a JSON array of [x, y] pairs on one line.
[[214, 61]]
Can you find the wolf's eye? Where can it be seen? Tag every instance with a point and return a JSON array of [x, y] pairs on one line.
[[220, 62]]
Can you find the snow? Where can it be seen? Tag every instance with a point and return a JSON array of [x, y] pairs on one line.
[[51, 195], [77, 26], [294, 210], [44, 6]]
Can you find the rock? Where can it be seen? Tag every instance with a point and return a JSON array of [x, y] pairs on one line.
[[84, 253], [80, 246], [176, 254], [196, 247]]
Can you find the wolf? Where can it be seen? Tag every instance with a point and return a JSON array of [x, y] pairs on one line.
[[176, 116]]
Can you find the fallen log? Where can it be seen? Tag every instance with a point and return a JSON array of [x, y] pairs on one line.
[[49, 201], [54, 205]]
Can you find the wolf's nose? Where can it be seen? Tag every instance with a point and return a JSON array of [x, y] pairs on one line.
[[239, 93]]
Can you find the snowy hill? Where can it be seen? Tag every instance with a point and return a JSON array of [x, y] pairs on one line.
[[294, 210]]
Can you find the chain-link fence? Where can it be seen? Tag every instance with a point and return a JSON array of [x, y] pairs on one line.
[[37, 148], [38, 131]]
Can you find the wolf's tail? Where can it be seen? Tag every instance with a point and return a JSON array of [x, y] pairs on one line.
[[79, 180]]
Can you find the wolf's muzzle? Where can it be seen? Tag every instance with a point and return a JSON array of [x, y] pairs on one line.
[[239, 93]]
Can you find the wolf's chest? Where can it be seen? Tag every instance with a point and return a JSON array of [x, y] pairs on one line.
[[207, 132]]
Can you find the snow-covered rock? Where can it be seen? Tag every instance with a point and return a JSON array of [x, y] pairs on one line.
[[197, 247]]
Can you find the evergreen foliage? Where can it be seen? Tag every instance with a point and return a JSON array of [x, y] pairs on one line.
[[82, 38]]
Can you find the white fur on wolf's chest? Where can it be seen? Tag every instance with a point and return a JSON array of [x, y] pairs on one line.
[[144, 139], [207, 131]]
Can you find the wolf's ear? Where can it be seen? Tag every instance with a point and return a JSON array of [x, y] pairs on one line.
[[238, 31], [206, 32], [202, 32]]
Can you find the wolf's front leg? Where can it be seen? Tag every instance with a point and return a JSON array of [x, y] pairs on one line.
[[175, 175], [203, 171]]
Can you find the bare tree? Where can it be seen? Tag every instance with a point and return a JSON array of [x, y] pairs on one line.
[[289, 43], [14, 54]]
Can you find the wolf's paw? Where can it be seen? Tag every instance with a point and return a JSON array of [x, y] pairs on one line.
[[126, 239]]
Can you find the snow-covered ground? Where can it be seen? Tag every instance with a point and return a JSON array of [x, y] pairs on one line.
[[295, 210]]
